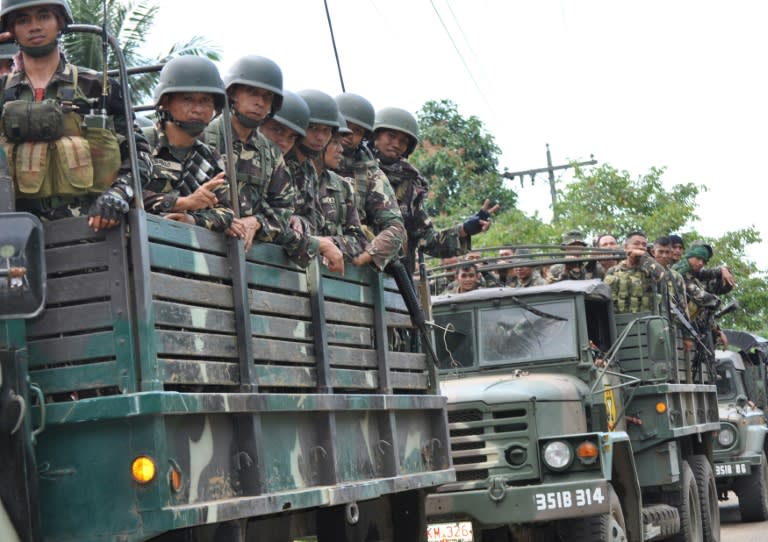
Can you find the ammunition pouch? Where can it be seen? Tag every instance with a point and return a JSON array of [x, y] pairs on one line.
[[32, 121]]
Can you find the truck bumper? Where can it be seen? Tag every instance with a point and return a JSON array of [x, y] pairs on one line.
[[736, 467], [499, 505]]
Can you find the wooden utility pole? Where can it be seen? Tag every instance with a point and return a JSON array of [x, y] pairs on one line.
[[550, 169]]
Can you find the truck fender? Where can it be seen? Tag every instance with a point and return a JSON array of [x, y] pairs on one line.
[[619, 467]]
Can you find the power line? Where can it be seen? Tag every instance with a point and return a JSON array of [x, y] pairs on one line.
[[463, 35], [333, 41], [461, 57]]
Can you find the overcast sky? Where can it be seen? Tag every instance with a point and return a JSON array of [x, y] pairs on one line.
[[676, 84]]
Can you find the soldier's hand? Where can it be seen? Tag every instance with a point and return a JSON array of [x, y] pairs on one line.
[[727, 276], [5, 36], [333, 259], [107, 210], [296, 224], [362, 259], [480, 221], [203, 197], [245, 229], [180, 217]]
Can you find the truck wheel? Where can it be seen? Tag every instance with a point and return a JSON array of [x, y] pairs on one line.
[[753, 493], [688, 507], [608, 527], [710, 507]]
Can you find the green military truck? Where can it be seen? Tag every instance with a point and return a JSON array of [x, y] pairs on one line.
[[158, 383], [570, 422], [740, 449]]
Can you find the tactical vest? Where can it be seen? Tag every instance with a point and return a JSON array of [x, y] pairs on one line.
[[52, 149], [629, 291]]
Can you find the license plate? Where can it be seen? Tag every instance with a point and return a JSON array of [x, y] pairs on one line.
[[576, 498], [450, 532], [731, 469]]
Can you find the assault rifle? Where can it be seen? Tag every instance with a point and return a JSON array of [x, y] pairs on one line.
[[405, 285]]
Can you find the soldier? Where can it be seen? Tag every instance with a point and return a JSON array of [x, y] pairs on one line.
[[63, 164], [336, 198], [254, 86], [395, 136], [678, 246], [467, 279], [285, 129], [635, 281], [526, 276], [376, 202], [578, 270], [606, 241], [187, 182]]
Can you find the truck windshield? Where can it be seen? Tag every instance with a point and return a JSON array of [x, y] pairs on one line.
[[727, 386], [525, 333]]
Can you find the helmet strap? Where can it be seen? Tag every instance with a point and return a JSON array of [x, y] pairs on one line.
[[246, 121], [306, 151], [191, 128]]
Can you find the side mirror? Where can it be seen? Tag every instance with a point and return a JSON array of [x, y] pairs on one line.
[[22, 266]]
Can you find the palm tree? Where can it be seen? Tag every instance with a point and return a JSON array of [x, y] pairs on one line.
[[129, 22]]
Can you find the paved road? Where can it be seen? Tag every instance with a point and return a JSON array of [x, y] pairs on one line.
[[733, 530]]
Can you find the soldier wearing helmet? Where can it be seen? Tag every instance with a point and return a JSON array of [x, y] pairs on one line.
[[254, 86], [285, 129], [395, 136], [79, 167], [187, 182], [337, 217], [376, 202]]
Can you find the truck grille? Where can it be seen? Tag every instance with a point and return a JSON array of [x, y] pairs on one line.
[[480, 436]]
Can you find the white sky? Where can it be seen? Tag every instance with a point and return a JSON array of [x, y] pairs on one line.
[[678, 84]]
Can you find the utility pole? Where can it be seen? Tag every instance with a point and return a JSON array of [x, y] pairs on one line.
[[550, 169]]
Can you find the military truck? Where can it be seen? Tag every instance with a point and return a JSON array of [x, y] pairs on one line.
[[158, 383], [740, 449], [569, 421]]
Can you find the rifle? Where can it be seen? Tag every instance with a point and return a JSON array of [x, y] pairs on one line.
[[405, 285], [729, 307]]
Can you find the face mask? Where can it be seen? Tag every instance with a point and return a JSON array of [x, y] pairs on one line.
[[40, 50], [306, 151], [191, 128], [247, 121]]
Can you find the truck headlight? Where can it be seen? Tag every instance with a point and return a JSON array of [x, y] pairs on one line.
[[726, 437], [558, 454]]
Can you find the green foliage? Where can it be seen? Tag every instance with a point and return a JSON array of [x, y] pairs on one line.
[[460, 159], [606, 200], [129, 22]]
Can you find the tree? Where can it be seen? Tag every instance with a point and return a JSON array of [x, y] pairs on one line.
[[460, 159], [606, 200], [129, 22]]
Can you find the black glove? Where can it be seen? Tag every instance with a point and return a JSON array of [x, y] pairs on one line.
[[111, 205], [472, 225]]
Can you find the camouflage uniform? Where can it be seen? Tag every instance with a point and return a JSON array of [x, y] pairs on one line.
[[173, 177], [302, 248], [534, 280], [338, 215], [17, 87], [558, 272], [411, 189], [636, 289], [376, 205], [263, 183]]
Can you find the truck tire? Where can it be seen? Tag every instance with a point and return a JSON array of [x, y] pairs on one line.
[[752, 491], [687, 503], [710, 506], [608, 527]]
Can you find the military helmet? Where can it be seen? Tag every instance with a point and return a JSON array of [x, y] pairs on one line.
[[257, 71], [394, 118], [322, 108], [573, 237], [357, 109], [343, 127], [7, 6], [8, 50], [190, 73], [294, 113]]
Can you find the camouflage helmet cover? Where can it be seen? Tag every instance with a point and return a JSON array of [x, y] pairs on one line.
[[357, 110], [394, 118], [8, 6], [190, 73], [294, 113], [260, 72], [574, 237], [322, 108]]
